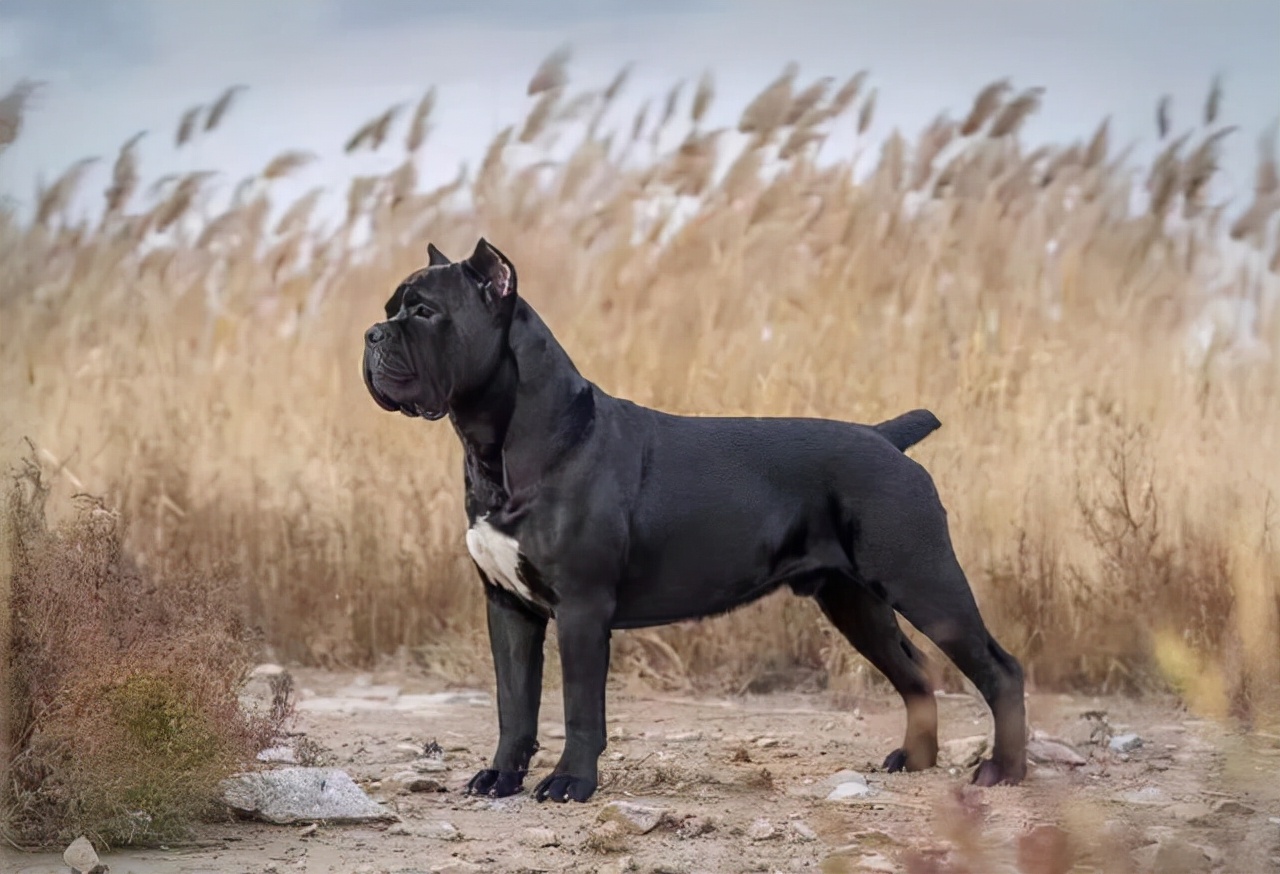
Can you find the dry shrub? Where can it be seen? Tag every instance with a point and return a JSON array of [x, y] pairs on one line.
[[207, 377], [123, 713]]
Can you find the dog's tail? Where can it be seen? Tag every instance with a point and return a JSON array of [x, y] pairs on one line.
[[909, 429]]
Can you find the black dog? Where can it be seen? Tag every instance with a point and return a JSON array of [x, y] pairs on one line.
[[604, 514]]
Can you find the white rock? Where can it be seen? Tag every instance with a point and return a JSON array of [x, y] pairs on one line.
[[803, 831], [684, 736], [845, 775], [294, 794], [638, 819], [850, 789], [1124, 743], [539, 837], [278, 754], [1047, 752], [761, 830], [440, 830], [963, 752], [80, 856]]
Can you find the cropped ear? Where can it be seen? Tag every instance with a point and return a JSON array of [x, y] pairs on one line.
[[436, 258], [493, 269]]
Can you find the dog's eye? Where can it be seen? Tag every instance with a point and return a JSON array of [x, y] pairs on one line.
[[422, 311]]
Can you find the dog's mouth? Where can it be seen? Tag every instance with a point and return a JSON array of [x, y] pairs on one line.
[[421, 412]]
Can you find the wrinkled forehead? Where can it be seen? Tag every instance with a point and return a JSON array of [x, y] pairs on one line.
[[437, 284]]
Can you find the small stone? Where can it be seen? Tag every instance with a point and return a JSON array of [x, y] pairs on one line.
[[309, 831], [1175, 854], [1124, 743], [539, 837], [1047, 752], [278, 755], [440, 830], [1232, 807], [1192, 813], [683, 736], [845, 776], [693, 827], [399, 830], [608, 837], [620, 865], [638, 819], [761, 830], [964, 752], [1145, 795], [456, 866], [80, 856], [766, 742], [802, 831], [429, 766], [851, 789]]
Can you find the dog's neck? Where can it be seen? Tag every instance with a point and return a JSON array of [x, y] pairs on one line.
[[534, 408]]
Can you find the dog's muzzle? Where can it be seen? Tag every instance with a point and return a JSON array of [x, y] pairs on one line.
[[382, 373]]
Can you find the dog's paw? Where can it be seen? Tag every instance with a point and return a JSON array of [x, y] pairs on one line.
[[988, 773], [563, 787], [896, 761], [496, 784]]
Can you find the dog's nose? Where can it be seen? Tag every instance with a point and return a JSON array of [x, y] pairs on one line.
[[374, 335]]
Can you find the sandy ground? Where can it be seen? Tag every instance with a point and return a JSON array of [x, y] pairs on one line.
[[744, 782]]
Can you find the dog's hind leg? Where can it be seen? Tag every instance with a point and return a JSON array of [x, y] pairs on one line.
[[934, 596], [869, 624]]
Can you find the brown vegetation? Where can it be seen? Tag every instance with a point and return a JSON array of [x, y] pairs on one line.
[[1110, 495], [120, 694]]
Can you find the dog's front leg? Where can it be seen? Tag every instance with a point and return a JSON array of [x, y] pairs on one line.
[[516, 635], [583, 632]]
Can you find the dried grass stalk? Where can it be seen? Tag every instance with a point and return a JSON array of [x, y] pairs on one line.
[[807, 99], [985, 105], [539, 117], [1016, 112], [1095, 154], [287, 162], [374, 132], [848, 93], [124, 175], [867, 114], [221, 106], [187, 125], [764, 114], [1164, 111], [702, 97], [551, 73], [1213, 103], [420, 125], [13, 107], [53, 200]]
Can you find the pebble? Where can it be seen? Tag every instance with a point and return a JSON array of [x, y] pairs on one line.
[[1231, 807], [761, 830], [964, 751], [441, 830], [1124, 743], [683, 736], [539, 837], [803, 832], [620, 865], [1048, 752], [851, 789], [767, 742], [638, 819], [80, 856]]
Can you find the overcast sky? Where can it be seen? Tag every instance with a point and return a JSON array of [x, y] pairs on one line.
[[316, 69]]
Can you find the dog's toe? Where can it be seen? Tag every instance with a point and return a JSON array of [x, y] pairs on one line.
[[563, 787], [896, 761], [495, 783], [988, 773]]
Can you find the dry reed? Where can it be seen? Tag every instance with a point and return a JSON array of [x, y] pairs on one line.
[[209, 383]]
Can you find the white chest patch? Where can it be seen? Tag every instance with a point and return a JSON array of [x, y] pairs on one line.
[[498, 555]]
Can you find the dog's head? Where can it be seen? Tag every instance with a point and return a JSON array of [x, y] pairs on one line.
[[444, 335]]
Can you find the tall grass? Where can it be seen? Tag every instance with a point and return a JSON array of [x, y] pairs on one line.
[[1110, 490]]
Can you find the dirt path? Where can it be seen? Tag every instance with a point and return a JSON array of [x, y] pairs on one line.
[[745, 781]]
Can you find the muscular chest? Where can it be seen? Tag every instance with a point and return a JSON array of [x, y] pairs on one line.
[[500, 559]]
